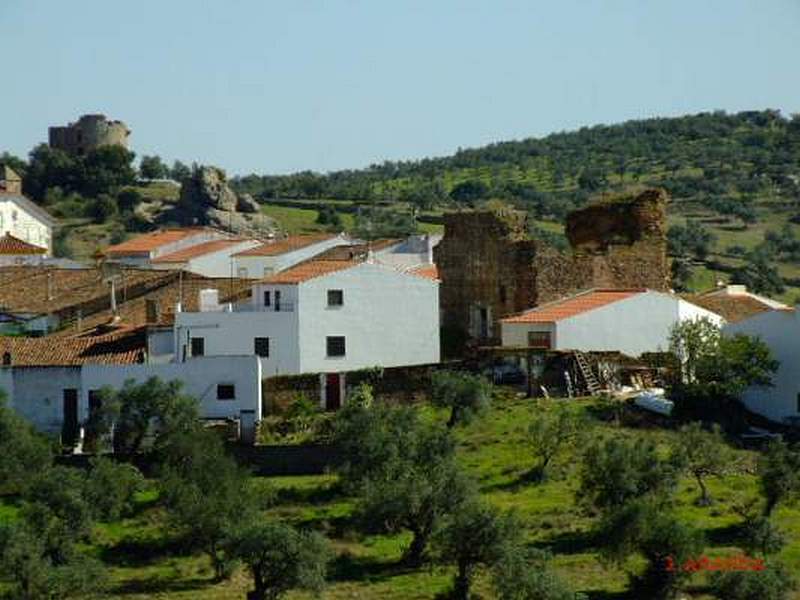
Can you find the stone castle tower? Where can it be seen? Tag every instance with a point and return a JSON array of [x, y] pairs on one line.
[[88, 133]]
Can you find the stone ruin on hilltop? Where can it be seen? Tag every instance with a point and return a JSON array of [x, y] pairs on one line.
[[489, 268]]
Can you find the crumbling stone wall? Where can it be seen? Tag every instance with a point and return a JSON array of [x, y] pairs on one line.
[[488, 267]]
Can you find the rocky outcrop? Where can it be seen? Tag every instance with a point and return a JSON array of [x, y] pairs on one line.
[[247, 204], [206, 199]]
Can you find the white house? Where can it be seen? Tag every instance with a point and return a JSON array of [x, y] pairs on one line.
[[411, 252], [780, 330], [209, 259], [53, 382], [142, 250], [21, 218], [280, 254], [14, 251], [326, 317], [597, 320]]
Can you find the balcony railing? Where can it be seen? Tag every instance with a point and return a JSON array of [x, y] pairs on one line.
[[282, 307]]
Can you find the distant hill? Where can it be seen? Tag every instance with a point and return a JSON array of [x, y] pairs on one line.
[[736, 174]]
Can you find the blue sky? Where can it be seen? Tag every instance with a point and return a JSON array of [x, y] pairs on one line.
[[269, 87]]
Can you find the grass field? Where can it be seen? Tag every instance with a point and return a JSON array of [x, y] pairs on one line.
[[146, 562]]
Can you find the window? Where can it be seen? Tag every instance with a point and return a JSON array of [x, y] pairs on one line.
[[267, 298], [262, 346], [95, 402], [277, 300], [226, 391], [502, 294], [539, 339], [335, 345], [198, 346], [335, 297]]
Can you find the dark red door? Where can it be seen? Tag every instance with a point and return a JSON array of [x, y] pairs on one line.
[[333, 397]]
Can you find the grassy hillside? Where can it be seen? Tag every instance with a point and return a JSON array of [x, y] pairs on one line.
[[736, 174], [146, 561]]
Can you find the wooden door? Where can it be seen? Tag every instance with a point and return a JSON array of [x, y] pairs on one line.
[[333, 396]]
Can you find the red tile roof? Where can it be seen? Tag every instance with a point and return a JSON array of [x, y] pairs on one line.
[[185, 254], [147, 242], [427, 271], [571, 306], [13, 245], [310, 270], [732, 308], [119, 348], [289, 244]]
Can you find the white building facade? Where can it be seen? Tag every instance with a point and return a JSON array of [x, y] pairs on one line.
[[26, 221], [326, 317], [281, 254], [628, 321], [780, 330], [53, 398]]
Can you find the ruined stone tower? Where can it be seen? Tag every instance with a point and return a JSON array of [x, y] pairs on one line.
[[489, 269], [88, 133]]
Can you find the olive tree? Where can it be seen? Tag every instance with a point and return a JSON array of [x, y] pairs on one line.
[[552, 431], [466, 395], [280, 558], [706, 453]]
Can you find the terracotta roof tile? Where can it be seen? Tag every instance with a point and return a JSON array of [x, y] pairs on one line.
[[309, 270], [13, 245], [427, 271], [120, 348], [732, 308], [198, 250], [147, 242], [285, 245], [571, 306]]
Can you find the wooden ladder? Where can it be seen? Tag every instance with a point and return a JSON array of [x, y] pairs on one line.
[[586, 372]]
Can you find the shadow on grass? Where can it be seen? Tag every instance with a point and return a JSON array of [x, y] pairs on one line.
[[570, 542], [160, 585], [347, 567], [606, 595], [142, 551], [729, 535], [316, 495]]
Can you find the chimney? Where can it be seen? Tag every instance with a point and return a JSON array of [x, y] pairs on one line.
[[209, 300]]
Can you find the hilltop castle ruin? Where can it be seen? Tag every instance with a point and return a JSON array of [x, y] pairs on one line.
[[88, 133]]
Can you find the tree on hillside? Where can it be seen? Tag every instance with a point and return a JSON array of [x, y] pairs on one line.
[[643, 526], [523, 574], [151, 167], [106, 169], [470, 191], [759, 275], [706, 453], [550, 432], [139, 409], [779, 475], [690, 241], [714, 368], [616, 471], [206, 493], [49, 167], [23, 453], [15, 163], [179, 171], [403, 470], [280, 559], [466, 395]]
